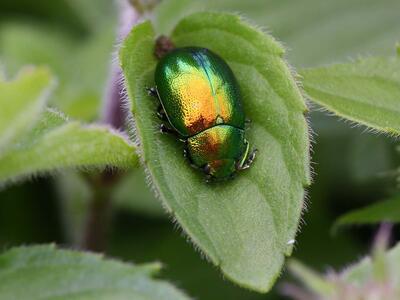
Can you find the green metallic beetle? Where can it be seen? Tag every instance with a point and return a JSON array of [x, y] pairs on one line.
[[201, 101]]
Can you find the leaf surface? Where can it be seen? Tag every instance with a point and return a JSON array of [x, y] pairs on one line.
[[21, 103], [54, 143], [80, 88], [245, 226], [44, 272], [383, 211], [366, 91]]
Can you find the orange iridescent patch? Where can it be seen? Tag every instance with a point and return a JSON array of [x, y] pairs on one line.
[[197, 95], [202, 102]]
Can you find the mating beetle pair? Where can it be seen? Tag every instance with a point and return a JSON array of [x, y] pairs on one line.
[[200, 99]]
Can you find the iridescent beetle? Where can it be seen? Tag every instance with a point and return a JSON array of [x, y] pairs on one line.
[[200, 99]]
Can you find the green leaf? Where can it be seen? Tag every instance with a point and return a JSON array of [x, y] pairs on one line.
[[44, 272], [22, 101], [55, 143], [383, 211], [299, 26], [96, 19], [245, 226], [377, 276], [360, 168], [363, 272], [314, 281], [366, 91], [81, 88]]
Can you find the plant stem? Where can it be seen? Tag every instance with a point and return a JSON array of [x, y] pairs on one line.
[[99, 213], [100, 207], [381, 243], [113, 112], [95, 236]]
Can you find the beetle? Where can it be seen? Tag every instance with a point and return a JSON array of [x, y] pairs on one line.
[[201, 103]]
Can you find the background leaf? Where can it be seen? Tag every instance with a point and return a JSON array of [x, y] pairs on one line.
[[55, 143], [383, 211], [366, 91], [71, 56], [21, 101], [245, 226], [358, 26], [363, 272], [374, 277], [314, 281], [45, 272]]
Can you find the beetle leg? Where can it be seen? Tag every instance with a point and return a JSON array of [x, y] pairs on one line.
[[152, 91], [161, 113], [207, 169], [247, 158], [165, 129], [242, 161], [208, 178]]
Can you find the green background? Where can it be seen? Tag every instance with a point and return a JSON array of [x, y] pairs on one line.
[[352, 167]]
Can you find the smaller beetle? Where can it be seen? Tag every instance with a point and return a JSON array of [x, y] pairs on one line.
[[200, 99]]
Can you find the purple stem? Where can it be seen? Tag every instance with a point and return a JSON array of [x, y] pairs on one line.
[[295, 292], [382, 237], [98, 219], [113, 113]]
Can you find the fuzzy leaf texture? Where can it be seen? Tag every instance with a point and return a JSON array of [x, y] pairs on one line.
[[383, 211], [45, 272], [21, 102], [366, 91], [245, 226], [69, 145], [368, 269], [42, 140], [374, 277]]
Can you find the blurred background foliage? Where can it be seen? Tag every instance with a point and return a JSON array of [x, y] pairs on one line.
[[76, 40]]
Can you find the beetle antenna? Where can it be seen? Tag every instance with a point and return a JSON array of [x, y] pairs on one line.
[[152, 91]]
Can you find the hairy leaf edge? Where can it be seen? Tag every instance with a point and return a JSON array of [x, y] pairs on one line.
[[135, 136]]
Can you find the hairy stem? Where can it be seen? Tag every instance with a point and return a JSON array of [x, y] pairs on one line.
[[113, 114]]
